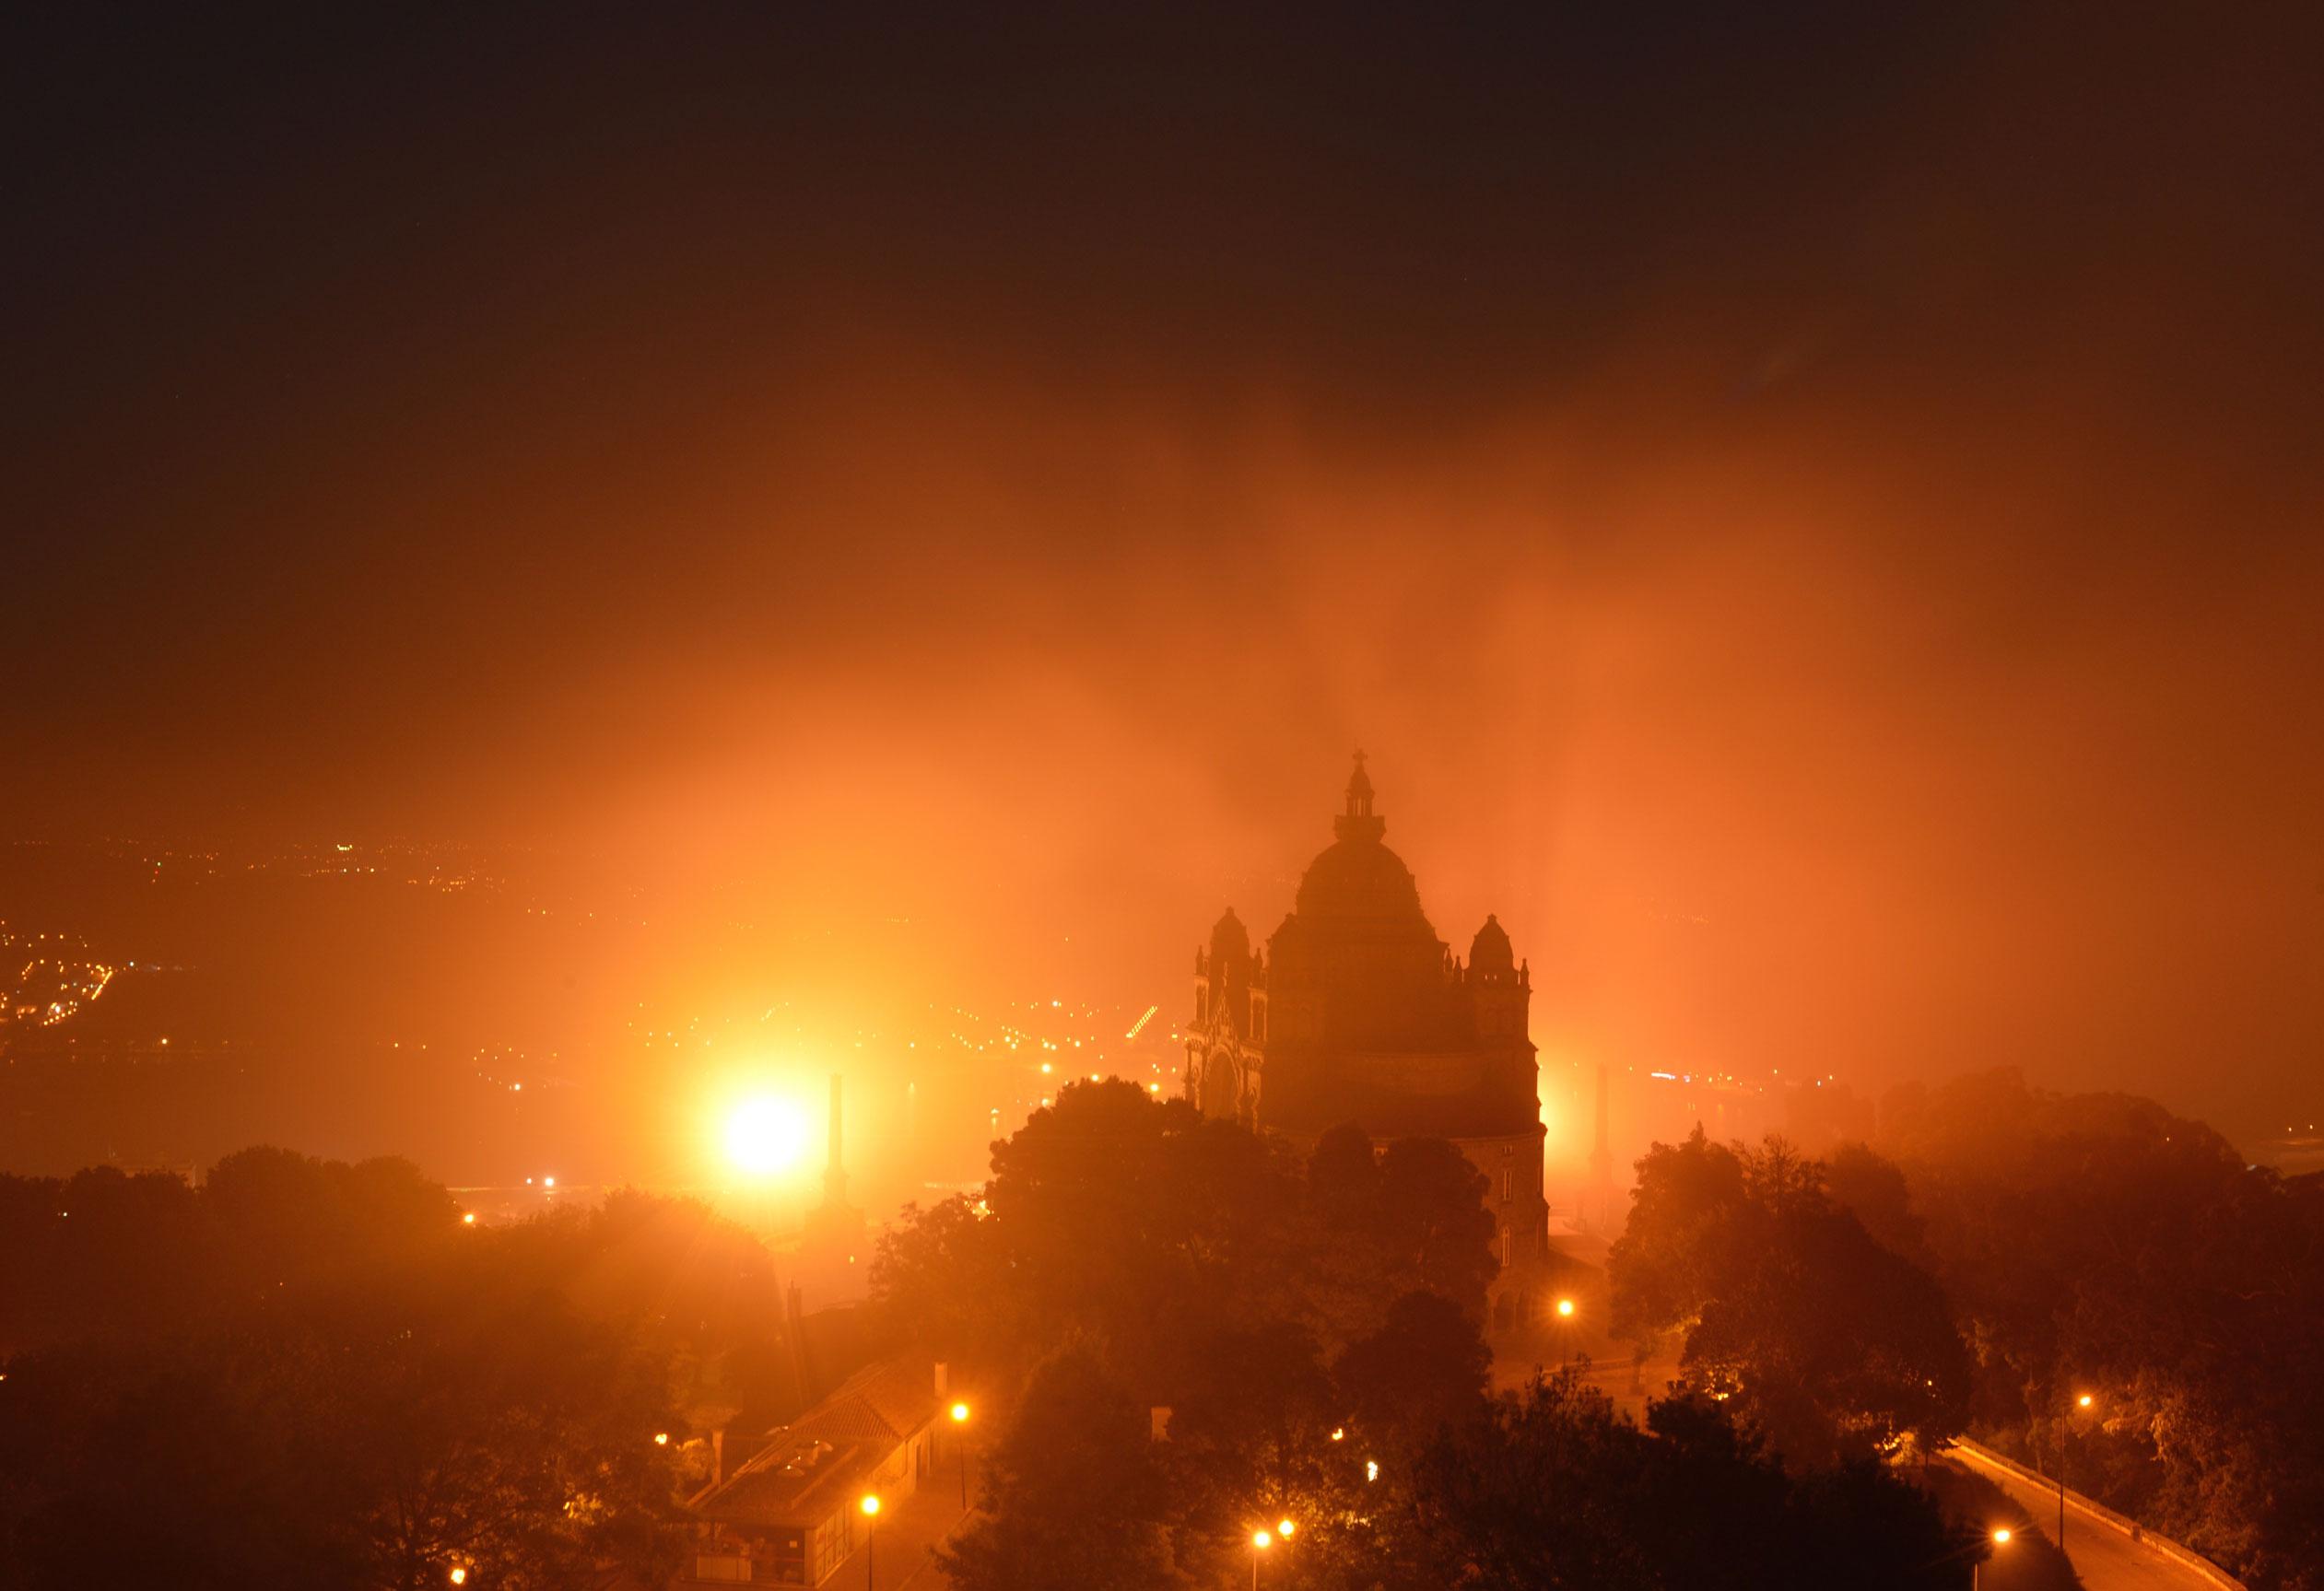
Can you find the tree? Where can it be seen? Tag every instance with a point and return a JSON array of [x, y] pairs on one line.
[[2099, 1242], [940, 1277], [1832, 1344], [1661, 1268], [1551, 1487], [1250, 1439], [1434, 1222], [1538, 1493], [1424, 1370], [1074, 1497], [1873, 1189], [1829, 1343], [371, 1439]]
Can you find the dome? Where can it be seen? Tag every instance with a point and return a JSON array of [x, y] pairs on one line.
[[1359, 881], [1490, 950]]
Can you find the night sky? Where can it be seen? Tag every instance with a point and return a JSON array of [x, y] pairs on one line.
[[1813, 511]]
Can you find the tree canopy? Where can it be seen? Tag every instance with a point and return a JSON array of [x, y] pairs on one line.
[[1831, 1344]]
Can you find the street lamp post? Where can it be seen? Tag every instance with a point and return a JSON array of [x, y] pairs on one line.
[[2083, 1402], [871, 1506], [960, 1437], [1260, 1540], [1566, 1333]]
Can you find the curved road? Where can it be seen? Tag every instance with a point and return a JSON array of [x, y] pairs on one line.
[[2106, 1558]]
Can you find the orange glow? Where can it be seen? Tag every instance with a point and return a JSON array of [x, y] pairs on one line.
[[1261, 1539], [871, 1504]]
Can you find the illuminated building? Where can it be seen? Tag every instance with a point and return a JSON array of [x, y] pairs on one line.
[[793, 1512], [1357, 1012]]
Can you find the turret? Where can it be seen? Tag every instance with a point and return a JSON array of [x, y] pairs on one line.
[[1498, 988]]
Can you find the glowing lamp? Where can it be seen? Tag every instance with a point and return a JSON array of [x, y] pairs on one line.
[[870, 1504]]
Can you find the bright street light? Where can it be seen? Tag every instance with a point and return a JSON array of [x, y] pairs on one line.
[[1284, 1528], [871, 1506], [1976, 1569], [1565, 1307], [1261, 1539]]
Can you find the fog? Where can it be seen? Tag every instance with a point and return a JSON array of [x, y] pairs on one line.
[[1818, 538]]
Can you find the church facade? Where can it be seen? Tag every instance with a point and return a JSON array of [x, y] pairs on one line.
[[1355, 1011]]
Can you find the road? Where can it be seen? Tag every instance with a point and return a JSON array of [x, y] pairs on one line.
[[2105, 1557], [910, 1529]]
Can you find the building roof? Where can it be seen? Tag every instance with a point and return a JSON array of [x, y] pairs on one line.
[[816, 1463], [1356, 890]]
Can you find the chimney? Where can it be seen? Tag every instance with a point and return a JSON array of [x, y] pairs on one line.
[[834, 1176]]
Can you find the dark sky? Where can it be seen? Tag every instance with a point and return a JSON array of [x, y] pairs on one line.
[[1813, 510]]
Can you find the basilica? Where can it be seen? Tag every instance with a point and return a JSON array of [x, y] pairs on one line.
[[1357, 1012]]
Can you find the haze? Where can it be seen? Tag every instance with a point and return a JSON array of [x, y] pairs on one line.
[[1818, 536]]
